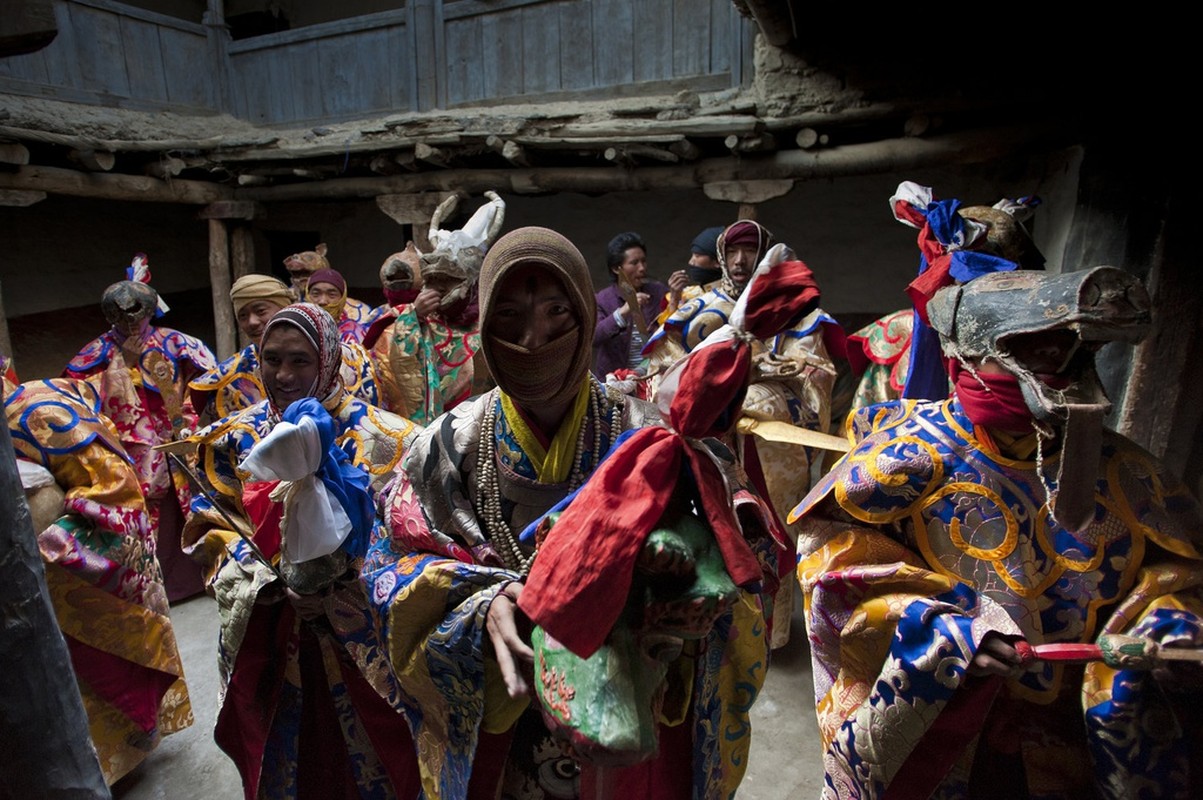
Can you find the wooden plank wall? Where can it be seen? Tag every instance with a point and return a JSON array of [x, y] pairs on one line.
[[503, 49], [107, 53], [336, 70], [428, 54]]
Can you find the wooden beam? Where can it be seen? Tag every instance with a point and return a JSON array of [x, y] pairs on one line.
[[513, 153], [631, 153], [431, 155], [685, 150], [165, 168], [893, 155], [219, 281], [18, 198], [755, 143], [806, 138], [231, 209], [14, 153], [916, 125], [108, 186], [93, 160]]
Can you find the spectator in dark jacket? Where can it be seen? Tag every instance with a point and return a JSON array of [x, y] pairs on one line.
[[617, 340]]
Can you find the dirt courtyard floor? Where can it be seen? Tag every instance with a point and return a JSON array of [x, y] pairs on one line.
[[785, 760]]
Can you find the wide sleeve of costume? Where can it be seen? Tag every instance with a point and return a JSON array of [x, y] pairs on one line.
[[431, 595], [358, 373], [891, 638], [793, 377], [397, 358], [103, 578], [280, 673], [228, 388]]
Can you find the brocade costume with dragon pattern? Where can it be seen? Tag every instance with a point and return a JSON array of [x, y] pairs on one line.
[[431, 585], [923, 539], [234, 384], [303, 703], [102, 574]]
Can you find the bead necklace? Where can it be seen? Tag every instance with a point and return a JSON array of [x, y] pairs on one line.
[[488, 495]]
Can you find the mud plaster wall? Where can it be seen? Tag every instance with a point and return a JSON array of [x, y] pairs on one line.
[[63, 252]]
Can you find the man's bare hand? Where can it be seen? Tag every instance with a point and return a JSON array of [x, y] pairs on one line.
[[995, 656], [308, 606], [514, 655], [427, 303]]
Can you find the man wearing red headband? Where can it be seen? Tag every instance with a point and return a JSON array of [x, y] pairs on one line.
[[792, 375]]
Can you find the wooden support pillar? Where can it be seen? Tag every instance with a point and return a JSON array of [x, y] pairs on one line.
[[6, 343], [242, 261], [219, 280], [242, 251], [220, 248], [95, 160], [48, 751]]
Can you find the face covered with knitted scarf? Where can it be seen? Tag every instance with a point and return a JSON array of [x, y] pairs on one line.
[[536, 316]]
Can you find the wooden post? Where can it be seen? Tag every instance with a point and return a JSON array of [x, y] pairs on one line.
[[219, 279], [242, 251], [47, 748], [6, 343], [242, 258]]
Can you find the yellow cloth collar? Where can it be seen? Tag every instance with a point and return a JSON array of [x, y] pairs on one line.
[[553, 464]]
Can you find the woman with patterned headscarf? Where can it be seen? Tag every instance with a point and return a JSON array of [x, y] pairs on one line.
[[285, 519], [235, 383], [446, 583]]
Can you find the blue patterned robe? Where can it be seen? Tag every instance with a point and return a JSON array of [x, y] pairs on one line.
[[925, 538], [305, 706]]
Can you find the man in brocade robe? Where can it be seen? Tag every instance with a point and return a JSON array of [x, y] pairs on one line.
[[101, 571], [958, 535], [445, 586], [305, 697], [142, 373]]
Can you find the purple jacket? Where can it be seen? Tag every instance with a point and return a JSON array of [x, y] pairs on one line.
[[611, 344]]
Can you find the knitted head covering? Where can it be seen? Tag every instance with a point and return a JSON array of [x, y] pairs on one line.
[[743, 232], [250, 288], [333, 278], [321, 331], [557, 374], [706, 242]]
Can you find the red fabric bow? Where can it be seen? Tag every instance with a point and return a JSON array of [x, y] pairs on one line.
[[584, 568]]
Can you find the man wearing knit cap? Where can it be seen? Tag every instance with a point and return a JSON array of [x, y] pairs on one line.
[[700, 274], [234, 384], [792, 378], [328, 288]]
